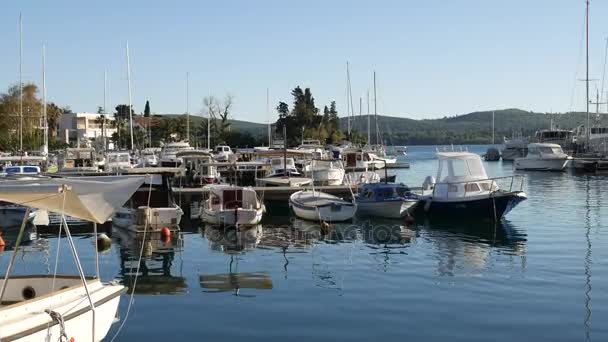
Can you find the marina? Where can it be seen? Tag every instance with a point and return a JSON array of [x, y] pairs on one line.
[[263, 172]]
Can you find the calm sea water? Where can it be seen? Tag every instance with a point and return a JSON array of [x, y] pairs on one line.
[[542, 274]]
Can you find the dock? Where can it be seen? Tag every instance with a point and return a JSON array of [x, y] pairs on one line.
[[269, 193]]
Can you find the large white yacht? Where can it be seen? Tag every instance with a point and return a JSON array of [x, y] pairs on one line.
[[168, 156]]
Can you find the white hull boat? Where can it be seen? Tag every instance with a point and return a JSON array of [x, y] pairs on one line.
[[327, 172], [359, 178], [543, 157], [154, 218], [12, 215], [231, 205], [388, 200], [30, 320], [319, 206]]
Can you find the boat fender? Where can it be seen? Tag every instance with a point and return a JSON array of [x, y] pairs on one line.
[[103, 242], [2, 243], [165, 234]]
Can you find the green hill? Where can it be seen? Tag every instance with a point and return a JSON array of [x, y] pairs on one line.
[[472, 128]]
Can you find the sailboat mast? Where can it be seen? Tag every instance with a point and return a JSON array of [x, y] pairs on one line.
[[20, 82], [209, 122], [130, 98], [368, 120], [187, 107], [268, 116], [376, 110], [587, 71], [492, 127], [104, 131], [347, 101], [45, 149]]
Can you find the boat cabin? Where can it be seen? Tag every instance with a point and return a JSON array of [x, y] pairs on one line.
[[461, 174], [538, 150], [232, 197], [197, 168], [117, 160], [381, 192]]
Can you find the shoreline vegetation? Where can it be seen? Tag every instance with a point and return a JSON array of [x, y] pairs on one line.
[[302, 117]]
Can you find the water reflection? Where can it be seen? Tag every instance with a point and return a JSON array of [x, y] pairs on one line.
[[155, 268], [465, 245]]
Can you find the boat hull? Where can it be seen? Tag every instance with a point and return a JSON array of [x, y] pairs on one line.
[[541, 164], [490, 207], [328, 176], [388, 209], [232, 217], [13, 216], [333, 209], [144, 218]]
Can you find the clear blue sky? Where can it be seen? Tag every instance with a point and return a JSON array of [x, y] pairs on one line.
[[432, 57]]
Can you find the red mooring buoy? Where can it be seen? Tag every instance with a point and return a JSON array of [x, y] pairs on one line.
[[165, 233]]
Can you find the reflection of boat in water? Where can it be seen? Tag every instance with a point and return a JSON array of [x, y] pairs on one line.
[[233, 240], [234, 280], [9, 235], [155, 268]]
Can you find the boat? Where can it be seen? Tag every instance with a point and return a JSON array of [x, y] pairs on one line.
[[283, 172], [492, 154], [359, 160], [326, 171], [148, 158], [516, 147], [12, 215], [543, 157], [231, 205], [463, 189], [362, 177], [223, 153], [151, 207], [319, 206], [198, 168], [396, 150], [562, 137], [168, 153], [116, 161], [387, 200], [62, 307], [77, 160]]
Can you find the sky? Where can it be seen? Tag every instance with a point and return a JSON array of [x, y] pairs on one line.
[[432, 58]]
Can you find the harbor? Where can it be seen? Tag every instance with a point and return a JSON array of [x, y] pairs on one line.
[[255, 171]]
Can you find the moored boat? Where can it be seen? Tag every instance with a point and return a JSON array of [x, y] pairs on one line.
[[231, 205], [319, 206], [385, 200], [543, 157]]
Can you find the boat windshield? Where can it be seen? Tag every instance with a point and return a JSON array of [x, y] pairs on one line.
[[463, 167], [550, 149]]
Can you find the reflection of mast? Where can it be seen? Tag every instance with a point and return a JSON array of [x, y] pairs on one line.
[[588, 264]]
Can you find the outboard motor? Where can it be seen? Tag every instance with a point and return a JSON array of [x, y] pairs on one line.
[[429, 183]]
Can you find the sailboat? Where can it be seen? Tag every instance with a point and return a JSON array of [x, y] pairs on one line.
[[62, 307]]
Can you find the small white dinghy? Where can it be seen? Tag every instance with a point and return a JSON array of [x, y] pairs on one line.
[[319, 206], [62, 307], [231, 205]]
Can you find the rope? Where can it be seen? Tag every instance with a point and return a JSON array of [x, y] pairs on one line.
[[56, 317], [141, 253]]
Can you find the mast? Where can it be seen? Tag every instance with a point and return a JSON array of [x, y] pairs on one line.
[[368, 119], [268, 116], [104, 131], [20, 83], [376, 110], [209, 123], [130, 98], [587, 71], [45, 149], [492, 127], [347, 101], [187, 107]]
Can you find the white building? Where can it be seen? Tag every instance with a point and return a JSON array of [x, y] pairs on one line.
[[83, 128]]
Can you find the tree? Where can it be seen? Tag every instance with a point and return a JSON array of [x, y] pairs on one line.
[[147, 109], [53, 116], [219, 113]]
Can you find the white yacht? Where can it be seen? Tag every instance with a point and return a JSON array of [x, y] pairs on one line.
[[516, 147], [359, 160], [462, 188], [231, 205], [223, 153], [543, 157], [148, 157], [168, 153]]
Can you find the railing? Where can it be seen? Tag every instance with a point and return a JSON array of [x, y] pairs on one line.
[[493, 188]]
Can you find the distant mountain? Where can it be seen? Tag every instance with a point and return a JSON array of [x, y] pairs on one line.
[[472, 128]]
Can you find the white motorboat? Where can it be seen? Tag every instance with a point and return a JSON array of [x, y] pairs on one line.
[[387, 200], [326, 171], [62, 307], [363, 177], [77, 160], [168, 153], [148, 158], [358, 160], [198, 168], [231, 205], [223, 153], [319, 206], [150, 208], [463, 189], [543, 157], [116, 161]]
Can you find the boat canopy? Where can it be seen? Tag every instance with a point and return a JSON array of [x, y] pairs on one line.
[[90, 200], [460, 167]]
